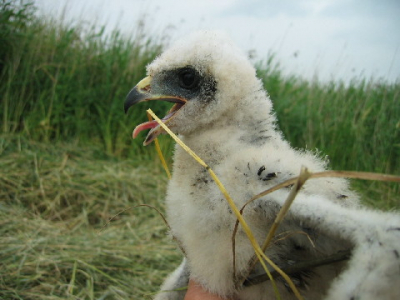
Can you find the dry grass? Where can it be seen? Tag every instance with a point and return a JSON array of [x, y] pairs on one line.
[[54, 203]]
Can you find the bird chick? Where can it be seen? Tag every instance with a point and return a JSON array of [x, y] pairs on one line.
[[222, 112]]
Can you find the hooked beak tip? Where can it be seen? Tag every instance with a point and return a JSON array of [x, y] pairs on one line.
[[133, 97], [138, 94]]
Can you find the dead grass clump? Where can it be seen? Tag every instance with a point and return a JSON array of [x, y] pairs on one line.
[[65, 182], [54, 203]]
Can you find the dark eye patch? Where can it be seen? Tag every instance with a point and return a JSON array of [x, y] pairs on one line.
[[186, 82]]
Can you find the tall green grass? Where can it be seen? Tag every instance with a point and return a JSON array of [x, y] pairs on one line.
[[356, 124], [64, 82]]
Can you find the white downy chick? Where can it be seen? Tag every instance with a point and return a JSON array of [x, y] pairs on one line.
[[224, 115]]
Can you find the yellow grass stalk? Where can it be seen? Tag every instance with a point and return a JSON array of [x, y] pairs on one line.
[[258, 251], [159, 152]]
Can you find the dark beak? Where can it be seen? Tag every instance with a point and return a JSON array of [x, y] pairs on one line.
[[141, 92]]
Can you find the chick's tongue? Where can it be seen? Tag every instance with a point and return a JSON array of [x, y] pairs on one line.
[[144, 126]]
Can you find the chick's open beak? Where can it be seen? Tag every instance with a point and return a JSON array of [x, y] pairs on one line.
[[142, 92]]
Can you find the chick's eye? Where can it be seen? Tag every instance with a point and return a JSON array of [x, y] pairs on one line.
[[188, 78]]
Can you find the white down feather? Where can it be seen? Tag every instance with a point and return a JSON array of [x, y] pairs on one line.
[[237, 137]]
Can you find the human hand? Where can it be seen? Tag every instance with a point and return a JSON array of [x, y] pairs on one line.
[[196, 292]]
